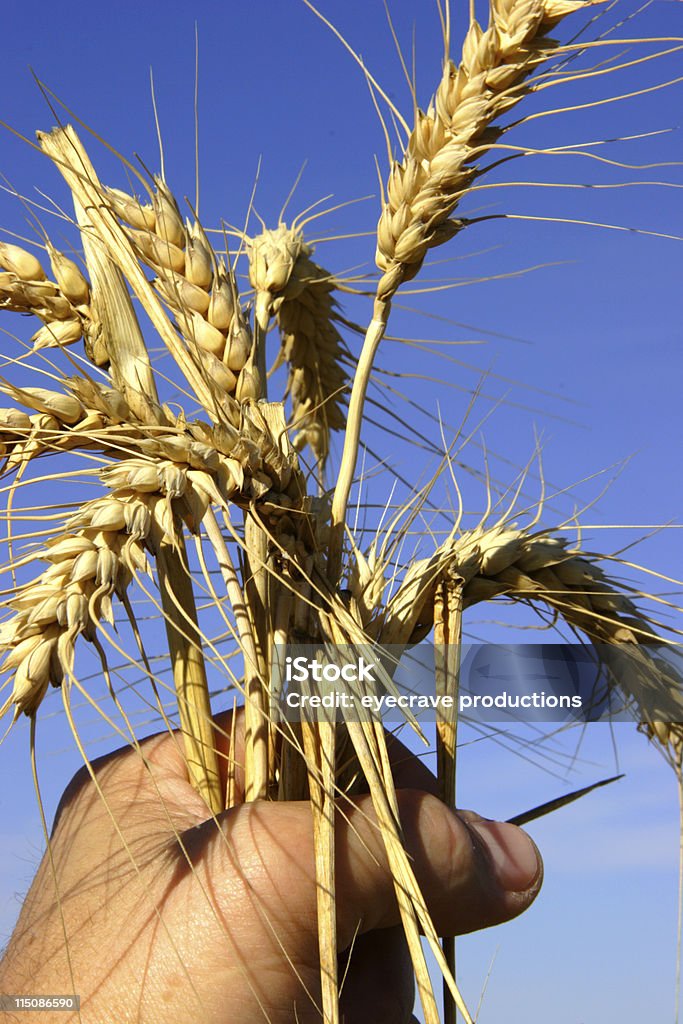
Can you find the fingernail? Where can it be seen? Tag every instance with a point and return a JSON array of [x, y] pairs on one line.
[[515, 860], [469, 817]]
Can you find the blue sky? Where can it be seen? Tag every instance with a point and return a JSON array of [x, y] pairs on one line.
[[584, 352]]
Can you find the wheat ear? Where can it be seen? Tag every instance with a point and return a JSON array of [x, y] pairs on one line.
[[299, 293]]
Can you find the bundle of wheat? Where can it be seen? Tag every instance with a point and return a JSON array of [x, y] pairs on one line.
[[167, 477]]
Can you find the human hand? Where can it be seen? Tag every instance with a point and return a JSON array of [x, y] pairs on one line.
[[171, 919]]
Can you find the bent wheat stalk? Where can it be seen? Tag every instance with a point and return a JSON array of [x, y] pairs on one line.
[[299, 293]]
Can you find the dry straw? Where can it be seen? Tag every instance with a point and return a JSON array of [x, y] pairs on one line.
[[220, 473]]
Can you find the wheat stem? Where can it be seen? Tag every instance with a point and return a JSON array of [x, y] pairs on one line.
[[349, 459], [281, 620], [319, 747], [256, 705], [447, 652], [679, 922], [255, 723], [189, 674]]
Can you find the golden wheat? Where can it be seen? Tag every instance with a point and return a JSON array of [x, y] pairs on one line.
[[166, 475]]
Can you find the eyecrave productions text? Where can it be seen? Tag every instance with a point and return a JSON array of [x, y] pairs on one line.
[[423, 701]]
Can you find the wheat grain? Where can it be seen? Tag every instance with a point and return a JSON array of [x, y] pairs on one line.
[[162, 471], [669, 737], [23, 264], [62, 304]]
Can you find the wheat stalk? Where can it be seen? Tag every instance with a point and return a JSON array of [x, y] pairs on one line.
[[435, 172]]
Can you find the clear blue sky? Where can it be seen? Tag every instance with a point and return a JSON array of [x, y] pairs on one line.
[[599, 335]]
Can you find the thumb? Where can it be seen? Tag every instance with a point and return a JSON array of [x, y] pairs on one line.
[[473, 873]]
